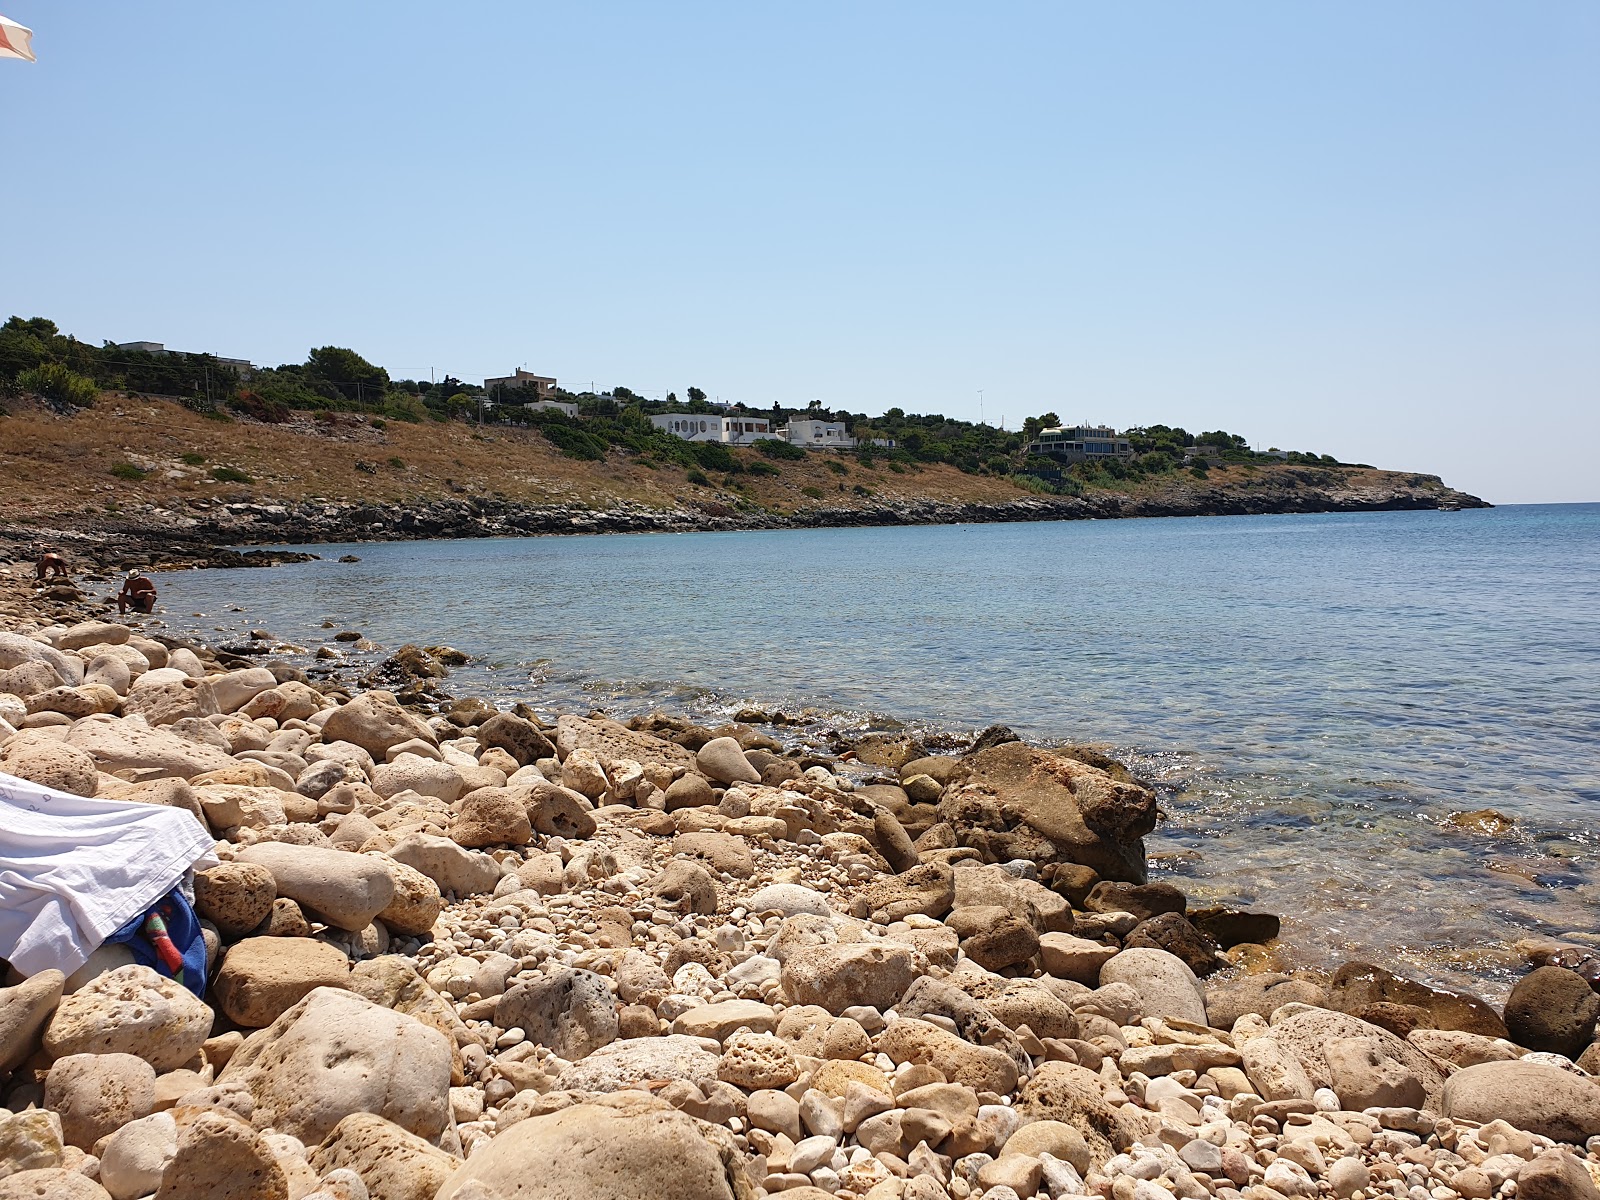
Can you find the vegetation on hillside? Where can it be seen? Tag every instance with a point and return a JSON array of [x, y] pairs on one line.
[[37, 359]]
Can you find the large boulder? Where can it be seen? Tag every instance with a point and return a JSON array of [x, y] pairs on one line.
[[394, 1164], [375, 721], [1021, 802], [1357, 985], [424, 776], [520, 738], [165, 701], [336, 1053], [417, 900], [131, 1010], [612, 742], [1308, 1036], [454, 868], [97, 1094], [124, 745], [220, 1157], [1075, 1096], [981, 1068], [24, 1012], [42, 759], [15, 649], [1166, 985], [723, 760], [235, 896], [1553, 1010], [649, 1153], [838, 977], [492, 816], [1532, 1096], [572, 1012], [633, 1062], [263, 977], [346, 890]]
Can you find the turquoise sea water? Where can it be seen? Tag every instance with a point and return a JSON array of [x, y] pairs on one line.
[[1314, 694]]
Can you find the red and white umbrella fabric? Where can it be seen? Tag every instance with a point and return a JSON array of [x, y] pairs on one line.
[[16, 41]]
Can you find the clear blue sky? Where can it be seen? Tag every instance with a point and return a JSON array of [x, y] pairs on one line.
[[1365, 229]]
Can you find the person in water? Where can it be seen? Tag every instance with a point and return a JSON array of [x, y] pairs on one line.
[[50, 563], [137, 593]]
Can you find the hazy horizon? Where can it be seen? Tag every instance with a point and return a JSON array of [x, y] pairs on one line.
[[1358, 230]]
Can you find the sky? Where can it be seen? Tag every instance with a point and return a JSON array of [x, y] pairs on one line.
[[1361, 229]]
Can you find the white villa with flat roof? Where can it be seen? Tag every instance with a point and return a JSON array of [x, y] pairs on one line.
[[741, 430]]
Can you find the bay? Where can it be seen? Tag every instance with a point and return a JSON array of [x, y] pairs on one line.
[[1314, 695]]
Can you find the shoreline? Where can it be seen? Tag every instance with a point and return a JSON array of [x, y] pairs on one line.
[[163, 539], [837, 973]]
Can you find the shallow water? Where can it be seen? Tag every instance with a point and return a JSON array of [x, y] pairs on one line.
[[1315, 694]]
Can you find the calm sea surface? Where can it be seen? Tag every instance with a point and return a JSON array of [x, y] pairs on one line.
[[1315, 695]]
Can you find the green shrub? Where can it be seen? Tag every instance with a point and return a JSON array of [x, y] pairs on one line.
[[1199, 470], [397, 462], [378, 423], [261, 408], [814, 492], [698, 478], [191, 459], [773, 448], [58, 385], [126, 470], [762, 468], [837, 467], [714, 456], [896, 467], [861, 489], [230, 475], [575, 442]]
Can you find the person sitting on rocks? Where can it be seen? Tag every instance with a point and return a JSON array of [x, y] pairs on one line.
[[138, 593], [50, 563]]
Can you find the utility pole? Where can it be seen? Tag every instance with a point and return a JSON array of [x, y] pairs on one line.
[[980, 406]]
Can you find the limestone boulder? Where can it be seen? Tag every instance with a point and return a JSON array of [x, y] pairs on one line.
[[573, 1012], [981, 1068], [97, 1094], [837, 977], [375, 721], [452, 867], [345, 890], [557, 811], [165, 702], [393, 1164], [131, 1010], [1073, 1095], [788, 899], [1540, 1099], [588, 1150], [632, 1062], [25, 1010], [91, 633], [131, 745], [928, 890], [1166, 985], [15, 649], [1078, 959], [1552, 1009], [30, 1140], [492, 816], [723, 760], [424, 776], [417, 900], [1021, 802], [336, 1053], [1359, 984], [1556, 1175], [235, 896], [518, 737], [689, 887], [263, 977], [135, 1157], [1307, 1035], [612, 741], [220, 1157], [49, 761], [51, 1183], [234, 689]]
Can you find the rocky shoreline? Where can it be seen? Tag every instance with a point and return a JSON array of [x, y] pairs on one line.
[[147, 534], [464, 953]]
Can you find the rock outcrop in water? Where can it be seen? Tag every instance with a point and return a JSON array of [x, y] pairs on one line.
[[467, 955]]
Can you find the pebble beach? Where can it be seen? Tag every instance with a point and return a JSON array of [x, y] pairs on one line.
[[468, 950]]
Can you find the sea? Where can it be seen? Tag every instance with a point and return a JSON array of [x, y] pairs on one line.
[[1380, 726]]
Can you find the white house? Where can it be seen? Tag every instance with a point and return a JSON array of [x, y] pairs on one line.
[[740, 430], [825, 435], [559, 405]]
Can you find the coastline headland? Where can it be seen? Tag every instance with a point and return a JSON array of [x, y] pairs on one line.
[[447, 939]]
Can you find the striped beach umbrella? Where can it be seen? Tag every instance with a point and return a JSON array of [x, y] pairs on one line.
[[16, 41]]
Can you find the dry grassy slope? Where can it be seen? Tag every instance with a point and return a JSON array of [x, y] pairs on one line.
[[52, 465]]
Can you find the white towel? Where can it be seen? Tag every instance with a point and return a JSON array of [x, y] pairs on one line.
[[74, 871]]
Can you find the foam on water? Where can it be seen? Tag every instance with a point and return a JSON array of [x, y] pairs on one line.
[[1313, 694]]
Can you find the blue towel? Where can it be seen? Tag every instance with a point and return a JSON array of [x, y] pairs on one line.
[[183, 927]]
